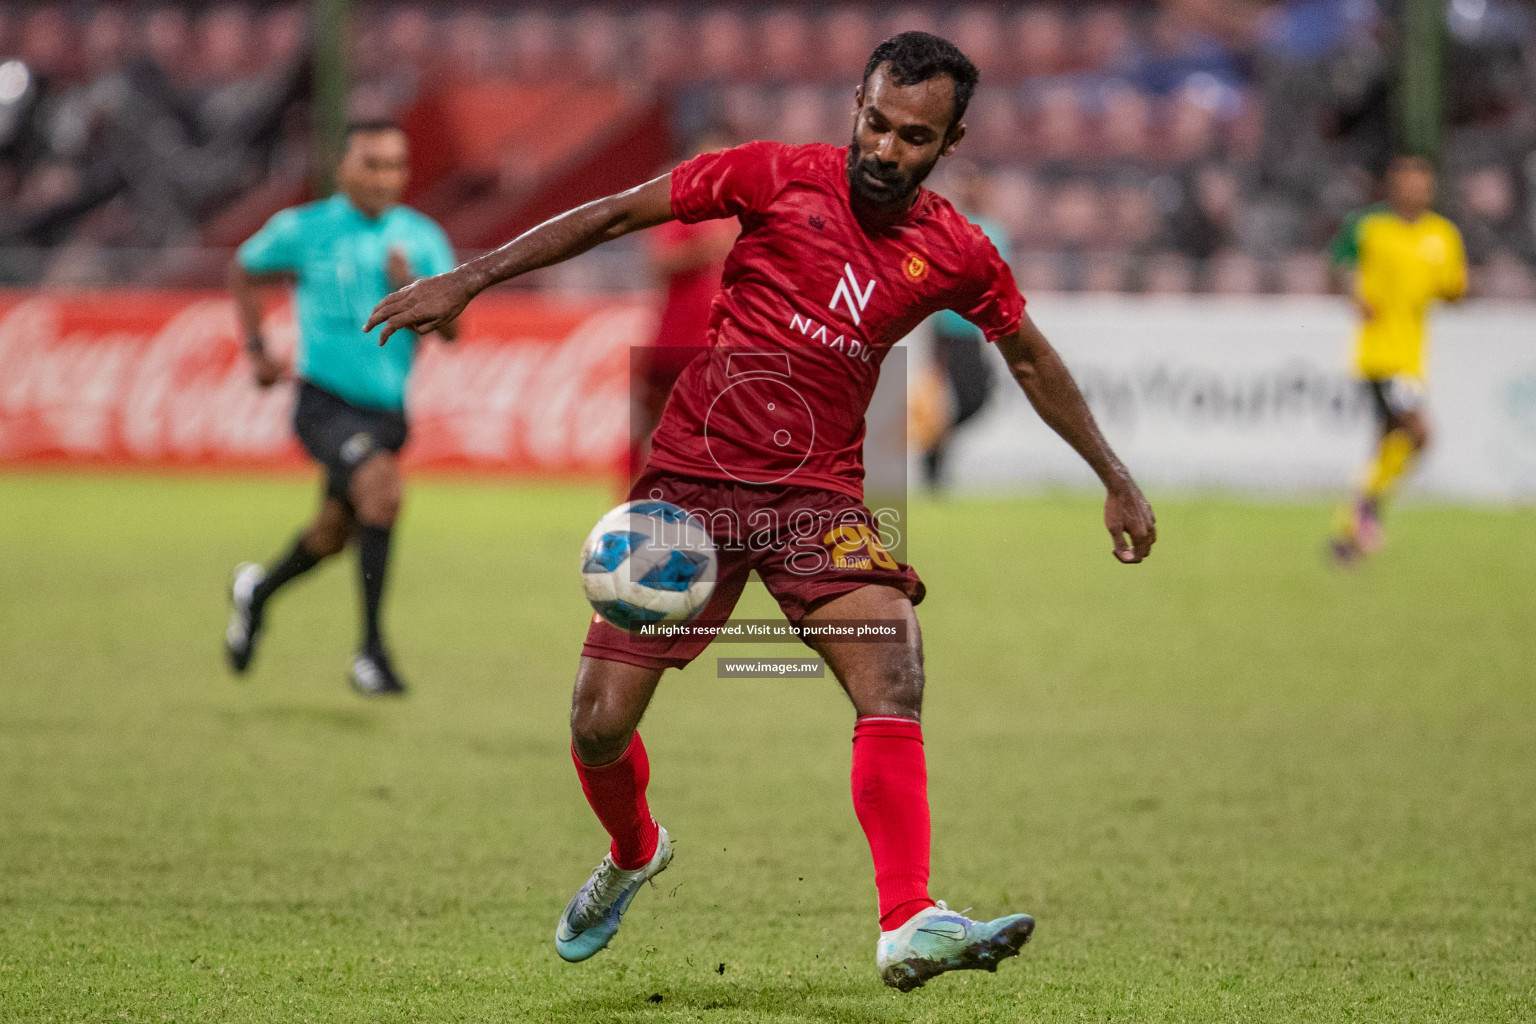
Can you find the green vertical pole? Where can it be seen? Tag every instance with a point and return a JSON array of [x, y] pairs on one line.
[[330, 90], [1422, 95]]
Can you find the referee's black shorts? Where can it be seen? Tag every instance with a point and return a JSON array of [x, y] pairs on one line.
[[341, 436], [1393, 399]]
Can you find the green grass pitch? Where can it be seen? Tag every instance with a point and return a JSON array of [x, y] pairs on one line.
[[1231, 784]]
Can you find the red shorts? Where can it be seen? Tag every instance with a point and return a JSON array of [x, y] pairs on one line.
[[808, 546]]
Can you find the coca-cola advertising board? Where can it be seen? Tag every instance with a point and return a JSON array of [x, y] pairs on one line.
[[159, 378]]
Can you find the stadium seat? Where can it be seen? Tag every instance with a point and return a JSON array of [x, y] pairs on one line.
[[1040, 43], [849, 35], [599, 40], [722, 48], [787, 45], [1103, 95], [978, 31], [664, 43]]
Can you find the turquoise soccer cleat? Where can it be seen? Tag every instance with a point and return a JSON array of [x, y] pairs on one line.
[[938, 940], [592, 917]]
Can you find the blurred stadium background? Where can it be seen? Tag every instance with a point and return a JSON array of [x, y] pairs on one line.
[[1181, 146], [1194, 151]]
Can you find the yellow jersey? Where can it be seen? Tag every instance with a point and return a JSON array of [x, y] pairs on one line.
[[1403, 266]]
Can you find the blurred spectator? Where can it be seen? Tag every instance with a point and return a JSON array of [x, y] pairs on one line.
[[598, 39], [1169, 274], [722, 45], [1106, 41], [1059, 128], [1505, 276], [992, 125], [1129, 143], [848, 35], [1304, 273], [1488, 213], [1015, 202], [805, 117], [786, 41], [1042, 42], [1124, 124], [1234, 272], [1131, 220], [1174, 51], [137, 135], [662, 43], [1105, 274], [978, 30], [472, 45], [908, 19]]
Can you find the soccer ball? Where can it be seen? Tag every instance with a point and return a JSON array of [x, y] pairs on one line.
[[646, 562]]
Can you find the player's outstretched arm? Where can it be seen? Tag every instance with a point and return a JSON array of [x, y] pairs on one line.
[[1054, 394], [431, 302]]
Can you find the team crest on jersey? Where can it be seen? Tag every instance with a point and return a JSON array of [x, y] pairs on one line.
[[915, 267]]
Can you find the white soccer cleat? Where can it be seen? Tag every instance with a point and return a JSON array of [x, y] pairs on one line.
[[244, 618], [937, 940], [592, 917]]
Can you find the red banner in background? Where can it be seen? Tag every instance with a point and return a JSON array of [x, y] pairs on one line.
[[158, 378]]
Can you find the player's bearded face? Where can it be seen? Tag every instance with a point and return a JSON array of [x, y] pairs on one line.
[[880, 183], [899, 133]]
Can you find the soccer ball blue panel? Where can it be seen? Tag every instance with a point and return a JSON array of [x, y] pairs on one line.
[[648, 561]]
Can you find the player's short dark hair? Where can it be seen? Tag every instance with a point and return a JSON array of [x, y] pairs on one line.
[[918, 56], [372, 126]]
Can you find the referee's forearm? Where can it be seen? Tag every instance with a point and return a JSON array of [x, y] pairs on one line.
[[247, 298]]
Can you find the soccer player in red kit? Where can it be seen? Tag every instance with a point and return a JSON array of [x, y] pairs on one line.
[[690, 259], [841, 253]]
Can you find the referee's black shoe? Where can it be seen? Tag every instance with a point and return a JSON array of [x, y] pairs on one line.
[[244, 616], [373, 676]]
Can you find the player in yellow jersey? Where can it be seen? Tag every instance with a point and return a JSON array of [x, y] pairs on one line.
[[1396, 258]]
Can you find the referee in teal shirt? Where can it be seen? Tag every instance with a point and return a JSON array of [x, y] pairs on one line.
[[959, 351], [343, 254]]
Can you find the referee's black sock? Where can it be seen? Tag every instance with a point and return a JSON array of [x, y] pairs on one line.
[[373, 562], [298, 561]]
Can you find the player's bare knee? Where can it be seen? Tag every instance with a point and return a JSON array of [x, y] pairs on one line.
[[324, 541], [327, 535], [381, 511], [902, 690], [376, 492], [599, 739]]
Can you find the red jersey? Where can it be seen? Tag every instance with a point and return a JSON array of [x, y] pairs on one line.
[[811, 301]]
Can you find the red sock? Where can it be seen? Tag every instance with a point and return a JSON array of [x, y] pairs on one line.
[[616, 792], [890, 796]]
